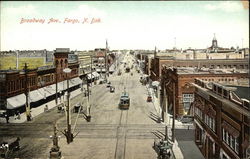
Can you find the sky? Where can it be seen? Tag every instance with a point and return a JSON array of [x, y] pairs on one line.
[[85, 25]]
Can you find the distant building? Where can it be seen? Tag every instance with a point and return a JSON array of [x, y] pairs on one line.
[[15, 59], [221, 119]]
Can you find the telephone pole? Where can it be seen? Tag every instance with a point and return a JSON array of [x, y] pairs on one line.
[[106, 50], [173, 125], [56, 88], [28, 115], [67, 132]]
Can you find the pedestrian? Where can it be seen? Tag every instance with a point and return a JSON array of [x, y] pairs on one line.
[[46, 108], [18, 115], [7, 118]]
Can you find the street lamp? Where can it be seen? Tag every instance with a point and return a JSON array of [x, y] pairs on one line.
[[68, 133]]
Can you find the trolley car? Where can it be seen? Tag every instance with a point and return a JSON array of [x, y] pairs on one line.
[[124, 101]]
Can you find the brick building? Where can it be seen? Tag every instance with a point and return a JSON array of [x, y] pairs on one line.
[[181, 79], [43, 83], [158, 62], [221, 120]]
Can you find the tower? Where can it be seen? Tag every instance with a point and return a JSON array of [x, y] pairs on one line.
[[214, 42]]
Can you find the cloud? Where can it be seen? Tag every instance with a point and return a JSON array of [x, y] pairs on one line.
[[228, 6]]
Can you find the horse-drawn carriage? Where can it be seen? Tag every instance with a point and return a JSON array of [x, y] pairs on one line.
[[6, 147]]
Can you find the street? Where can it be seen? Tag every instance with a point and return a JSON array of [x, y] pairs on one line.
[[112, 133]]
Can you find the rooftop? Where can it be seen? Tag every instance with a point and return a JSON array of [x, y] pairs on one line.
[[242, 91], [192, 70], [62, 50]]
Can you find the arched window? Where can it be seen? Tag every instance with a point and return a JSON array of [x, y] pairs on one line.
[[57, 62], [61, 63]]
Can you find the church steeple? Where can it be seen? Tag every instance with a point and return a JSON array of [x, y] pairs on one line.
[[214, 42]]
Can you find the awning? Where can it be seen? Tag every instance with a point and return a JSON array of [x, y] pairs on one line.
[[61, 86], [16, 101], [75, 81], [42, 92], [50, 90], [35, 96]]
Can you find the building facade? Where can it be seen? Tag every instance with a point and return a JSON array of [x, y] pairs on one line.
[[40, 83], [181, 79], [158, 62], [221, 120]]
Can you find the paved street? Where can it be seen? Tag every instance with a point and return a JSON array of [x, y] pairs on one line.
[[112, 133]]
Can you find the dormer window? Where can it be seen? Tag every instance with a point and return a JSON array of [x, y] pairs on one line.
[[214, 88], [225, 93]]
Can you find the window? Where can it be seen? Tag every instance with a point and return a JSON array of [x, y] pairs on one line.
[[187, 100], [231, 141], [219, 90], [227, 138], [223, 134], [198, 112], [237, 145], [210, 122]]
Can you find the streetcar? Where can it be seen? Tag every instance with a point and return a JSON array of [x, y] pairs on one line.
[[124, 101]]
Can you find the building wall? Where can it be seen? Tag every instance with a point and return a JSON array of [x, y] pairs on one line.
[[61, 62], [183, 84], [157, 64], [230, 133], [14, 82]]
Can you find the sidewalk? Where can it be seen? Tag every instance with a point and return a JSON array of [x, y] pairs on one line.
[[41, 109], [181, 149]]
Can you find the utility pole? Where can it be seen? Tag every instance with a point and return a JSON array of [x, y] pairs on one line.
[[106, 59], [67, 132], [166, 132], [91, 68], [56, 87], [88, 116], [173, 125], [164, 101], [28, 115]]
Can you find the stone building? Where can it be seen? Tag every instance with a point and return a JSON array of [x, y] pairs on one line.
[[221, 119]]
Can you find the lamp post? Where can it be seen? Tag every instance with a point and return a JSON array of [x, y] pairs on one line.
[[67, 132]]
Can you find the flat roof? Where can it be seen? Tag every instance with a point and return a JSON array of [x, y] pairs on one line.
[[242, 91], [192, 70]]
